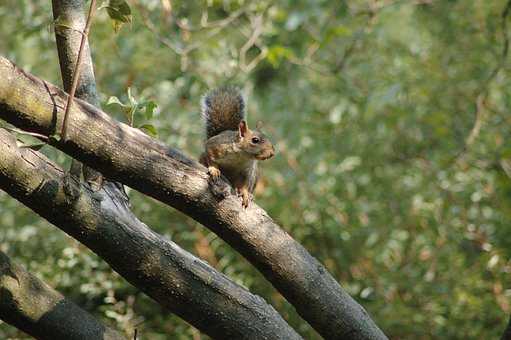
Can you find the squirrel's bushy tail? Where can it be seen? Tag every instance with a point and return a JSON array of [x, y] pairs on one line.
[[222, 109]]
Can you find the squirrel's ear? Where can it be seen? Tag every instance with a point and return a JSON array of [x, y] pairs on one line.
[[259, 125], [243, 128]]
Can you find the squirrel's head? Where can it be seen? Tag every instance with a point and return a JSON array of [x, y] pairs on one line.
[[254, 142]]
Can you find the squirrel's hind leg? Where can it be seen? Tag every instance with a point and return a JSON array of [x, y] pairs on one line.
[[245, 195]]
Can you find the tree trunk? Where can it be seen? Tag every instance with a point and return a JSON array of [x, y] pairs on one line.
[[68, 38]]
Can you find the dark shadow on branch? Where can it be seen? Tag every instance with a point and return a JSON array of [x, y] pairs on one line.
[[37, 309]]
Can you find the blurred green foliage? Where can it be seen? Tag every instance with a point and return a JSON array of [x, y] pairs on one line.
[[392, 125]]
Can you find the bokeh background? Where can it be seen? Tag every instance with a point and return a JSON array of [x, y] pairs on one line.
[[392, 126]]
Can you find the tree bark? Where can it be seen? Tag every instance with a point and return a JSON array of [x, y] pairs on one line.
[[177, 280], [133, 158], [69, 20], [68, 41], [32, 306]]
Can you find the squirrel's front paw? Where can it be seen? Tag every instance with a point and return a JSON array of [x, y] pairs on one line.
[[214, 172]]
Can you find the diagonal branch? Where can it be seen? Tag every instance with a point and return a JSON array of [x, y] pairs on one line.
[[177, 280], [128, 155], [67, 43], [32, 306]]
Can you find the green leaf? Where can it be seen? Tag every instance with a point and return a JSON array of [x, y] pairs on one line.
[[120, 12], [150, 106], [135, 107], [278, 53], [150, 129], [115, 100]]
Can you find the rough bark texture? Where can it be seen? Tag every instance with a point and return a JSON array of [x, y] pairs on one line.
[[69, 22], [174, 278], [68, 42], [69, 19], [37, 309], [133, 158]]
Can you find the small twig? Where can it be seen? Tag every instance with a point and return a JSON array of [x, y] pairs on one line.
[[219, 23], [257, 23], [505, 14], [506, 166], [76, 72], [484, 91], [480, 113], [33, 134], [216, 27]]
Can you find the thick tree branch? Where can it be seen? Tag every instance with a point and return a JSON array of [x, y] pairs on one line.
[[127, 155], [32, 306], [69, 41], [174, 278]]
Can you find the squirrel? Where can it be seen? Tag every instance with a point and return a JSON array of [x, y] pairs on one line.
[[231, 148]]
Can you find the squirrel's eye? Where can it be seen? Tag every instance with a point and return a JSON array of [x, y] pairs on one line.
[[255, 140]]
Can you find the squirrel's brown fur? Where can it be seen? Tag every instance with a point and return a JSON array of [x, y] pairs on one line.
[[231, 148], [222, 109]]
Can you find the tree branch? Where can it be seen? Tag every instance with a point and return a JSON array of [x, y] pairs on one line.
[[76, 71], [32, 306], [76, 68], [67, 42], [484, 91], [128, 155], [70, 22], [177, 280]]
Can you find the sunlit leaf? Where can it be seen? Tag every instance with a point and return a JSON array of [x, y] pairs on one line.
[[119, 11], [114, 100], [150, 129]]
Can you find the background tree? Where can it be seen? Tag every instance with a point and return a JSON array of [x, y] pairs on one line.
[[392, 130]]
